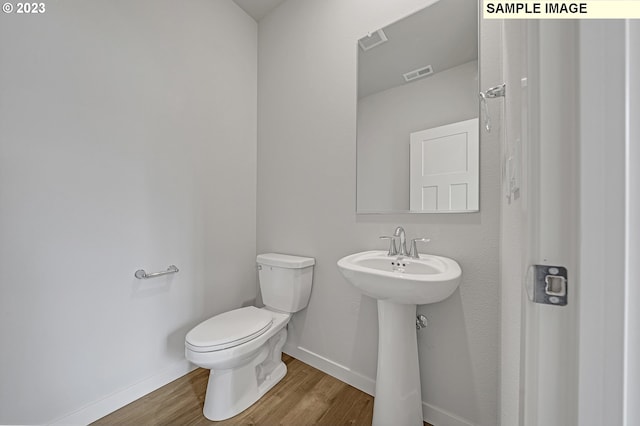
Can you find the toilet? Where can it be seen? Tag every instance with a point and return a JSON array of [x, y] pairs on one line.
[[243, 347]]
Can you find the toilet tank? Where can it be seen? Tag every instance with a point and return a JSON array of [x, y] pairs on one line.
[[285, 281]]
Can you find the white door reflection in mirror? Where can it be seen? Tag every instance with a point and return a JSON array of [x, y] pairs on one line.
[[417, 73], [443, 171]]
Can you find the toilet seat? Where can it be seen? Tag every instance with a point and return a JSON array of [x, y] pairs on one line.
[[229, 329]]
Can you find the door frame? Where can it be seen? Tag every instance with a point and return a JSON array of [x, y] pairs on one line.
[[603, 132], [600, 379]]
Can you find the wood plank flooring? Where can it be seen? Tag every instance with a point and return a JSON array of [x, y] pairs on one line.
[[305, 396]]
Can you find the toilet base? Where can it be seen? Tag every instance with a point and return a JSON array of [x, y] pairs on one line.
[[230, 392]]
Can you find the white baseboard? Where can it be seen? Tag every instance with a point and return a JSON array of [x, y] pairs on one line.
[[439, 417], [340, 372], [111, 403], [431, 414]]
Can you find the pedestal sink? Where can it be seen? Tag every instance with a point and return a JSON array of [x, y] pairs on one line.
[[399, 283]]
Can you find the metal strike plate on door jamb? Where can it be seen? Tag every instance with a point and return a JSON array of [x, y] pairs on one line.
[[547, 284]]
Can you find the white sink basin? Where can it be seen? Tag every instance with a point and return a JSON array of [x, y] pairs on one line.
[[429, 279], [399, 284]]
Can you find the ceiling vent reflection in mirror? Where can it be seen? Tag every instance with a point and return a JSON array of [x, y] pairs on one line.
[[419, 73], [372, 40]]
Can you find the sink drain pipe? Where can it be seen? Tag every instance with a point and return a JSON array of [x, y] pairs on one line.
[[421, 322]]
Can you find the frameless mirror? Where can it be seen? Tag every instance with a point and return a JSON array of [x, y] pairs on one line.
[[417, 129]]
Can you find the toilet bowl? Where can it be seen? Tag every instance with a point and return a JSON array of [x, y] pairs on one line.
[[243, 347]]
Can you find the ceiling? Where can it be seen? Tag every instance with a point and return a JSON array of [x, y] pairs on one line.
[[443, 35], [257, 9]]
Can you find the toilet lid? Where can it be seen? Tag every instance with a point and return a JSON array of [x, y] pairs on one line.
[[229, 329]]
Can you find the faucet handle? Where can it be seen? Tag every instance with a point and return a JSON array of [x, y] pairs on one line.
[[392, 245], [414, 247]]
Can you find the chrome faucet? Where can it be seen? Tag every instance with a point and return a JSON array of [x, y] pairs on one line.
[[413, 253], [402, 250], [399, 233]]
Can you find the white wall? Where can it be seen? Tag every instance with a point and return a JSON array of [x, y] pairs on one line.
[[385, 120], [513, 233], [128, 140], [306, 205]]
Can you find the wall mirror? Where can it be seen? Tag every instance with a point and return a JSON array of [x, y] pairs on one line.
[[417, 128]]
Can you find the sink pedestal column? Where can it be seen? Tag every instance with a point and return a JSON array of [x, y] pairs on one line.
[[398, 399]]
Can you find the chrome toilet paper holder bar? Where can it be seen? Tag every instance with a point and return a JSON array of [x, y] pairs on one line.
[[141, 274]]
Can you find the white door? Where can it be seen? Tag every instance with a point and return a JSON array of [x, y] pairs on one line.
[[443, 168]]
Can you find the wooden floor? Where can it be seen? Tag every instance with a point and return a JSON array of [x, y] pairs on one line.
[[306, 396]]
